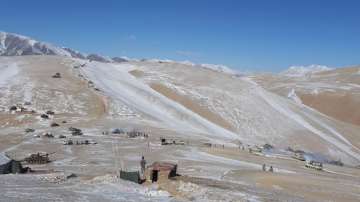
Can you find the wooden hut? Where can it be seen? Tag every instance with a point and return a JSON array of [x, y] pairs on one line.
[[161, 171]]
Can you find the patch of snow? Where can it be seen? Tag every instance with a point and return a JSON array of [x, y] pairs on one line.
[[186, 62], [160, 60], [7, 71], [300, 71], [219, 68], [2, 42], [214, 67], [200, 156], [4, 159], [315, 91], [28, 92], [292, 95], [358, 72], [354, 85]]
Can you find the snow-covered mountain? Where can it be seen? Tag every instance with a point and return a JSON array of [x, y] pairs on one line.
[[299, 71], [75, 54], [15, 45], [99, 58], [119, 59], [219, 68]]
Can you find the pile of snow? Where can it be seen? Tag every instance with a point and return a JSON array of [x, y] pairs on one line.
[[292, 95], [299, 71], [129, 187]]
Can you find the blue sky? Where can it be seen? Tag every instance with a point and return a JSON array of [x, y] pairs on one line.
[[255, 35]]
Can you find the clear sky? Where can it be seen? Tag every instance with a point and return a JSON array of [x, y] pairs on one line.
[[255, 35]]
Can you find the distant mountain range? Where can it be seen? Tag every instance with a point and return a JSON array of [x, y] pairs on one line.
[[16, 45], [299, 71]]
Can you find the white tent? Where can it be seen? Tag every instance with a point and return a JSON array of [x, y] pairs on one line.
[[5, 164]]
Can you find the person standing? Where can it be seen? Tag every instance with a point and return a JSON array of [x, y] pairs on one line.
[[142, 164]]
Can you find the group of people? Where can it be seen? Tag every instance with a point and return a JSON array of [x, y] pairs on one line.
[[271, 169]]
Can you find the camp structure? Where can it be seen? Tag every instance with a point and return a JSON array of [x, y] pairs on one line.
[[8, 165], [165, 141], [38, 158], [299, 156], [314, 165], [255, 150], [75, 131], [56, 75], [5, 164], [161, 171], [133, 176]]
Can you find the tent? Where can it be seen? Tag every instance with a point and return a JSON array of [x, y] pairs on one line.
[[133, 176], [8, 165], [5, 164]]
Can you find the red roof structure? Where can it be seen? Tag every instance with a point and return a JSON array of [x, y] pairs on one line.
[[162, 166]]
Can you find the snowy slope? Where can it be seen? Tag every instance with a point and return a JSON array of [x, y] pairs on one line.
[[120, 85], [7, 71], [254, 114]]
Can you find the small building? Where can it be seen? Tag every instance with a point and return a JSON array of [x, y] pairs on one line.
[[161, 171], [156, 172]]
